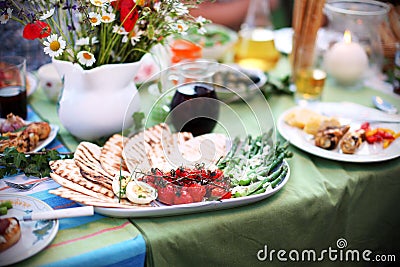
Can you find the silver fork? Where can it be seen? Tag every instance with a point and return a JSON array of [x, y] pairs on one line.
[[24, 187]]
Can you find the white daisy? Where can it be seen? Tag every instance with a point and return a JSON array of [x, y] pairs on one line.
[[99, 3], [180, 27], [180, 9], [6, 16], [119, 30], [86, 41], [107, 17], [94, 18], [135, 37], [201, 20], [54, 45], [47, 14], [86, 58], [125, 39]]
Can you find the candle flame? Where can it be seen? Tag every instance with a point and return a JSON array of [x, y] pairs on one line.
[[347, 37]]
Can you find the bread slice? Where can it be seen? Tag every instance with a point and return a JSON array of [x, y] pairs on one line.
[[10, 232], [111, 159]]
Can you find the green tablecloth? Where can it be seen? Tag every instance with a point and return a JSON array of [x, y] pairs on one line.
[[323, 201]]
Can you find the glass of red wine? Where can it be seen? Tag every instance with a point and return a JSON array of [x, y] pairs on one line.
[[195, 107], [13, 98]]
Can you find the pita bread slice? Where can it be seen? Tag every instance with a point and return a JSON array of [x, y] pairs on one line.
[[92, 201], [76, 187], [87, 158], [68, 170], [136, 149], [166, 155], [111, 159]]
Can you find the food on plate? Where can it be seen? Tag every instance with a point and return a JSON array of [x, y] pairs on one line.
[[188, 185], [5, 206], [255, 165], [10, 232], [120, 182], [23, 136], [174, 168], [351, 141], [300, 117], [111, 154], [140, 193], [11, 123], [85, 178], [377, 135], [329, 137], [215, 42], [310, 121], [87, 158]]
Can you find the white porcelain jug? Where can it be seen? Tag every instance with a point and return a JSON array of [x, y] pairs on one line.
[[98, 102]]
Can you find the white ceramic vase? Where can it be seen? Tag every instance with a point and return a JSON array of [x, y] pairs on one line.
[[98, 102]]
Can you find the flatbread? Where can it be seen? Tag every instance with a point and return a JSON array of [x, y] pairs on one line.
[[92, 201], [111, 159], [87, 158], [79, 188], [136, 149], [67, 169], [166, 155]]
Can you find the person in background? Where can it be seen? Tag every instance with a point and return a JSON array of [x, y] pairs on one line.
[[230, 13]]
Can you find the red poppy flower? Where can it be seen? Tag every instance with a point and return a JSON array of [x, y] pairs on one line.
[[129, 13], [37, 29]]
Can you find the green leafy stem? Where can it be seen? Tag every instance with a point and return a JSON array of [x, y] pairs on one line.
[[31, 163]]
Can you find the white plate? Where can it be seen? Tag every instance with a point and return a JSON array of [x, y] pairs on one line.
[[35, 235], [32, 83], [48, 140], [190, 208], [366, 152]]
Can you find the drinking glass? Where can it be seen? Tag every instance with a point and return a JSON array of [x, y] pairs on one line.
[[13, 98], [194, 106]]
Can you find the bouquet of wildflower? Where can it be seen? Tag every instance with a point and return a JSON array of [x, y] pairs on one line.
[[97, 32]]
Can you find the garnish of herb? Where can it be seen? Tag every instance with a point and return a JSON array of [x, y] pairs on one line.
[[30, 163]]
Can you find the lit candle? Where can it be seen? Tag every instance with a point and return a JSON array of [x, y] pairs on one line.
[[346, 61]]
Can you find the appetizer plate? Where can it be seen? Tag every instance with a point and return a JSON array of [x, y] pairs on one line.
[[48, 140], [162, 210], [35, 235], [366, 152]]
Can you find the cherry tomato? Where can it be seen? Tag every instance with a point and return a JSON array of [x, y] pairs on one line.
[[365, 126]]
